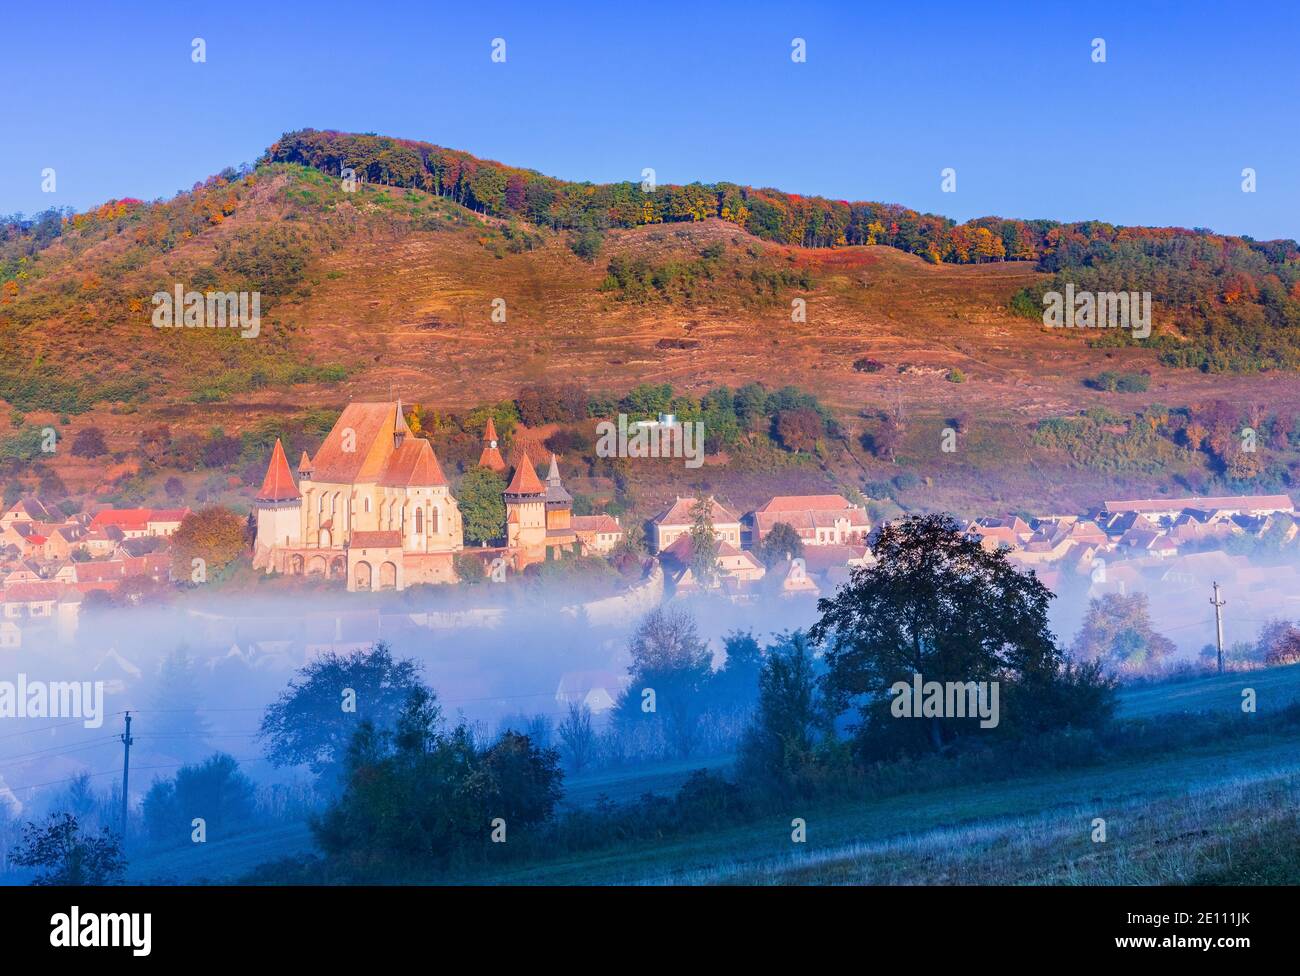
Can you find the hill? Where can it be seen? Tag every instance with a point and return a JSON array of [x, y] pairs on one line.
[[391, 290]]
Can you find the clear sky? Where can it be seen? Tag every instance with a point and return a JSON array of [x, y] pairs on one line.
[[891, 93]]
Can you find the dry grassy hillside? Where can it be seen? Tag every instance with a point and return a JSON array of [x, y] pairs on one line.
[[391, 291]]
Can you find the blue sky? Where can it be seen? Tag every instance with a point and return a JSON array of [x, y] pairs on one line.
[[1007, 94]]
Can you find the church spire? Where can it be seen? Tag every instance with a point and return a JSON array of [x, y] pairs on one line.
[[491, 456], [278, 484], [525, 481]]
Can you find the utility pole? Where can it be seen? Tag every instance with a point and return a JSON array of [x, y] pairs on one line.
[[126, 770], [1218, 621]]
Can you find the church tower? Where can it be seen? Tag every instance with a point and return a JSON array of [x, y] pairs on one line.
[[278, 504], [559, 503], [491, 457], [525, 508]]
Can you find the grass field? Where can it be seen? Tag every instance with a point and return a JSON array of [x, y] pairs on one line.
[[1217, 813], [1275, 688]]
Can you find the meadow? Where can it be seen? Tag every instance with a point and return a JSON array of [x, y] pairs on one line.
[[1206, 812]]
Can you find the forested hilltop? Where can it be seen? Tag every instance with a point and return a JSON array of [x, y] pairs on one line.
[[1228, 303]]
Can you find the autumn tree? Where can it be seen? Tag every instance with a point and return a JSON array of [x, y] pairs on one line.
[[1117, 632], [1279, 642], [214, 535], [800, 429], [89, 443]]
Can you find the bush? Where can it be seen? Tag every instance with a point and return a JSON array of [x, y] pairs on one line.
[[214, 791], [1112, 382]]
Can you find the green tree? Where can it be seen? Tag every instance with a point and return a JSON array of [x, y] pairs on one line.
[[214, 790], [704, 543], [781, 543], [939, 605], [671, 669], [421, 794], [63, 854], [780, 741], [313, 720], [482, 507]]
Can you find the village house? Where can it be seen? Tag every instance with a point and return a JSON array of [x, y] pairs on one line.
[[1153, 542], [596, 690], [819, 520], [676, 521], [42, 606], [733, 564], [102, 540], [27, 508], [1156, 508], [599, 534], [1010, 532], [136, 523], [791, 578]]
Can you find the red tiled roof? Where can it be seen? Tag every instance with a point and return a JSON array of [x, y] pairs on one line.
[[679, 513], [683, 550], [810, 518], [32, 592], [168, 514], [792, 503], [1202, 502], [132, 517], [491, 456], [370, 424], [98, 572], [153, 564], [278, 484], [818, 559], [304, 464], [525, 481], [414, 463], [594, 523], [377, 540]]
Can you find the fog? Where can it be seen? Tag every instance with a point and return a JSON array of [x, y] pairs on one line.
[[504, 660]]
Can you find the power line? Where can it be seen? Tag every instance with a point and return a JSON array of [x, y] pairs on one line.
[[111, 772], [59, 750], [47, 728]]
